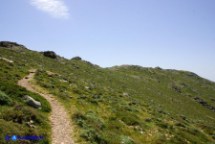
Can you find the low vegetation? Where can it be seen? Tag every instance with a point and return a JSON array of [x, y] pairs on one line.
[[118, 105], [16, 117]]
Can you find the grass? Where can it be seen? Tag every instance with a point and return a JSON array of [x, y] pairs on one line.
[[15, 114], [123, 115], [123, 104]]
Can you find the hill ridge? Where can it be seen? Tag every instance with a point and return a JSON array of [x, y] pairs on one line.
[[131, 105]]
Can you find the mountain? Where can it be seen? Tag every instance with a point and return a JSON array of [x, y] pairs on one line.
[[125, 104]]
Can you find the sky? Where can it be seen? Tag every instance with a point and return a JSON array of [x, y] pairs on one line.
[[171, 34]]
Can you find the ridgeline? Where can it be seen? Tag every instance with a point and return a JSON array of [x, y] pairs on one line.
[[125, 104]]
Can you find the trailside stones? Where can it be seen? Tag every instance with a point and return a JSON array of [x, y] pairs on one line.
[[32, 102]]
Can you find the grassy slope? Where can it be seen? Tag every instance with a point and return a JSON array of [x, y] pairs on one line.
[[14, 113], [127, 104]]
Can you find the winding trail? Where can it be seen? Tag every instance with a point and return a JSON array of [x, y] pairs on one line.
[[60, 122]]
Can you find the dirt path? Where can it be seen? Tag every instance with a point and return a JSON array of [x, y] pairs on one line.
[[60, 122]]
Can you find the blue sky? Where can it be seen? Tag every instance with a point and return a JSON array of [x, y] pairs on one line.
[[172, 34]]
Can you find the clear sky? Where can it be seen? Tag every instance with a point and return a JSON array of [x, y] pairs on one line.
[[172, 34]]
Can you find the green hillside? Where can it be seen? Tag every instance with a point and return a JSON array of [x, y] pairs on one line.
[[119, 105]]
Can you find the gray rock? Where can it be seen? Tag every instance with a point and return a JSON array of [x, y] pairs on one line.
[[191, 74], [87, 88], [125, 94], [204, 104], [50, 54], [76, 58], [32, 102], [8, 44]]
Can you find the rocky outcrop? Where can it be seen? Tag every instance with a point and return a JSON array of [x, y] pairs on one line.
[[76, 58], [7, 44], [191, 74], [204, 103], [50, 54]]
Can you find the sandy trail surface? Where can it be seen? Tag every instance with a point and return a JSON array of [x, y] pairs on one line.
[[59, 118]]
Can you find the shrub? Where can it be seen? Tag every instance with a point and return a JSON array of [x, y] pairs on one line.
[[4, 99], [126, 140], [91, 126], [93, 136], [79, 119]]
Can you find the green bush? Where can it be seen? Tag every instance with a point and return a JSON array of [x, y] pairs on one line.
[[92, 127], [126, 140], [79, 118], [4, 99], [93, 136]]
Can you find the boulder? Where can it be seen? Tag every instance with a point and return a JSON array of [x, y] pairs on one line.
[[32, 102], [50, 54], [76, 58]]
